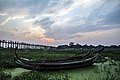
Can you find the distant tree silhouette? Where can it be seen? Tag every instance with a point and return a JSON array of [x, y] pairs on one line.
[[62, 47], [113, 46], [71, 44], [85, 46], [78, 45], [99, 46]]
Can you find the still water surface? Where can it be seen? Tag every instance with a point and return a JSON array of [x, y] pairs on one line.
[[79, 73]]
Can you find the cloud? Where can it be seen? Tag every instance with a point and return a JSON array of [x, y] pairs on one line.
[[23, 7], [35, 34], [3, 19], [51, 21], [74, 36], [44, 23], [105, 37], [5, 34], [113, 17], [56, 7]]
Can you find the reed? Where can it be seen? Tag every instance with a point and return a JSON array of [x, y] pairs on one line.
[[4, 76], [34, 75], [110, 71]]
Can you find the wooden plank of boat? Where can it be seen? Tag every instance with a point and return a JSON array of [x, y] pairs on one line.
[[57, 60]]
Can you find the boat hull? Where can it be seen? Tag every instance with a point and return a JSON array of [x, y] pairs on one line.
[[56, 66], [67, 63]]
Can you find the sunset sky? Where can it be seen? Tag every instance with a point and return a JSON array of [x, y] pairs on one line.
[[54, 22]]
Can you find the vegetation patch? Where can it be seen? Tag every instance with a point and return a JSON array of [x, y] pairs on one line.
[[4, 76], [34, 75]]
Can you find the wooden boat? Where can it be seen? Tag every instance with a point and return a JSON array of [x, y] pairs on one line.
[[59, 64]]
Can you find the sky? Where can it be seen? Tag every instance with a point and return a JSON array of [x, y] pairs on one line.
[[55, 22]]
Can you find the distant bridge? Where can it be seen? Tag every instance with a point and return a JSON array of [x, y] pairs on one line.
[[20, 45]]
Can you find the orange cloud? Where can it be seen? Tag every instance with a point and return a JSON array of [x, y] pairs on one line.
[[47, 40]]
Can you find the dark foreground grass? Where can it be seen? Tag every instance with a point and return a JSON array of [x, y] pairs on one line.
[[110, 71], [6, 61], [102, 72], [4, 76], [113, 54], [35, 75]]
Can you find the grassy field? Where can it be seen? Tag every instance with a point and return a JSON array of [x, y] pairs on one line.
[[7, 63]]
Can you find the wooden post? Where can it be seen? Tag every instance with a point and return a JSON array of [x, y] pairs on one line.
[[5, 44], [8, 44], [15, 43], [27, 45], [18, 45], [32, 46], [35, 46], [11, 44], [0, 44], [22, 45]]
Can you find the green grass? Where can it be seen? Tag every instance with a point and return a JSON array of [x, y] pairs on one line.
[[110, 71], [34, 75], [7, 62], [47, 54], [4, 76], [6, 55], [113, 54]]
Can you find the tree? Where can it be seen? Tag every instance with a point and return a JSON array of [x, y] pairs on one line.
[[78, 45], [71, 43]]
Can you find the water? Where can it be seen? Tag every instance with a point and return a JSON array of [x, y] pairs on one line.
[[16, 71], [79, 73]]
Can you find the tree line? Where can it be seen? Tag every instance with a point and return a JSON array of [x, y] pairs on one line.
[[72, 45]]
